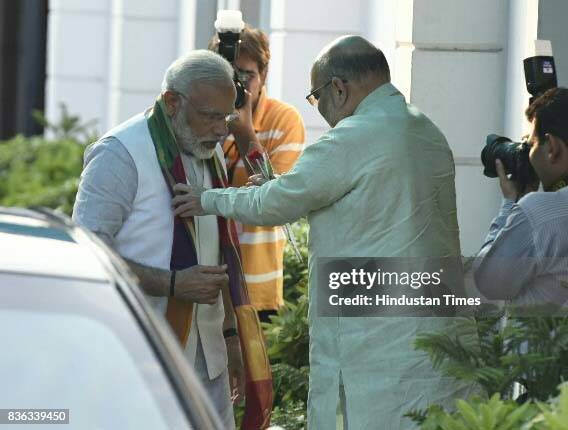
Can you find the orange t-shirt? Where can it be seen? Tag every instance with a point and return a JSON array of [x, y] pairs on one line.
[[280, 130]]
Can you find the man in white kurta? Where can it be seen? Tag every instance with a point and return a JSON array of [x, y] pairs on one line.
[[379, 183], [124, 199]]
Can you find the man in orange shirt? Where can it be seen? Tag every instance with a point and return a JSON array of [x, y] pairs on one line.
[[278, 129]]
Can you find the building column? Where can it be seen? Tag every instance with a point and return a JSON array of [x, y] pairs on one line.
[[77, 60], [144, 41], [451, 59], [298, 31]]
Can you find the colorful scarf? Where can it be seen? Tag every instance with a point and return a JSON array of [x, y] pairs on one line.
[[258, 393]]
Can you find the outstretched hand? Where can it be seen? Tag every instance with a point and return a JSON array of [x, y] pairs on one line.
[[257, 180]]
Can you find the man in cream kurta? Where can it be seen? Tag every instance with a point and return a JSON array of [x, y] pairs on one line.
[[379, 183]]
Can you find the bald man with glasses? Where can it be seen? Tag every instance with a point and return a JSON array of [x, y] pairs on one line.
[[379, 183]]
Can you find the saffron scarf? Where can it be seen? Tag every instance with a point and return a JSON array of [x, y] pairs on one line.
[[258, 392]]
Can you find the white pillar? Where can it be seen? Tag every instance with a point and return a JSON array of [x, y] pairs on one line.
[[523, 23], [186, 25], [379, 26], [299, 30], [77, 60], [145, 41], [451, 63]]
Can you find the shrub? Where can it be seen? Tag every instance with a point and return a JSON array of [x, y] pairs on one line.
[[37, 172], [530, 351], [498, 414]]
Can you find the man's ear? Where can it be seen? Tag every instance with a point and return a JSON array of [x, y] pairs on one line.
[[171, 100], [339, 89], [263, 77]]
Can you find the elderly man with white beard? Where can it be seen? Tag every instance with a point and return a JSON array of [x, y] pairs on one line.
[[125, 197]]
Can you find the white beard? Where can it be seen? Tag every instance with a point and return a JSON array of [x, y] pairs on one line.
[[187, 141]]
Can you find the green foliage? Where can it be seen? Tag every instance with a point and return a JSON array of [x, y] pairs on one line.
[[292, 416], [40, 172], [480, 414], [554, 414], [498, 414], [69, 127], [290, 383], [36, 172], [295, 271], [495, 362], [287, 333]]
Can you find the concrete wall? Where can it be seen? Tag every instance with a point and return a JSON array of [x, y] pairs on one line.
[[553, 26]]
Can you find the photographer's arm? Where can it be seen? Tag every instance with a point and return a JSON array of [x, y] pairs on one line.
[[243, 131], [505, 263]]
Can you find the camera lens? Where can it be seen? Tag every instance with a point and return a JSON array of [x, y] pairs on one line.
[[513, 155], [498, 147], [240, 87]]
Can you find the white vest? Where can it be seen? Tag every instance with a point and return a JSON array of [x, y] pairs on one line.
[[146, 237]]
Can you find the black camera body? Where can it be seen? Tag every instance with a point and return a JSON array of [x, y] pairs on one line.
[[229, 25], [540, 76], [513, 155]]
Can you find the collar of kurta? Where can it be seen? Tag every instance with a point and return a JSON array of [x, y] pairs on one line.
[[378, 95], [261, 106]]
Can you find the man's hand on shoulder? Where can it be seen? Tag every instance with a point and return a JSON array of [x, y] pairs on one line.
[[187, 202], [257, 180]]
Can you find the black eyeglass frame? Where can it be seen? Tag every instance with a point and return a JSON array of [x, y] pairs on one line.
[[313, 96]]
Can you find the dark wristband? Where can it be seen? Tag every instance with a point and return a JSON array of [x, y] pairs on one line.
[[230, 332], [172, 282]]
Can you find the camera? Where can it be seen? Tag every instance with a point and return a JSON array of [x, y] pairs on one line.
[[513, 155], [540, 76], [229, 25]]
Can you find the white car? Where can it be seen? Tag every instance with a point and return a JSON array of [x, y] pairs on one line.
[[76, 334]]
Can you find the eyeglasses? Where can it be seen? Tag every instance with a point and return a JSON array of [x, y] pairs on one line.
[[314, 96], [210, 117]]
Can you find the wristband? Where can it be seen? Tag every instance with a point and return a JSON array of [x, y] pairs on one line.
[[230, 332], [172, 282]]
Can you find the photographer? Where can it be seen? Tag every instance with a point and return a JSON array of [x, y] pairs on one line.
[[522, 259], [277, 129]]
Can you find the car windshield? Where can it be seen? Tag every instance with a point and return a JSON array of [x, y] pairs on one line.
[[74, 344]]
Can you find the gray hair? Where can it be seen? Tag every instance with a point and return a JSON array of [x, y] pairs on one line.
[[197, 66], [353, 58]]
